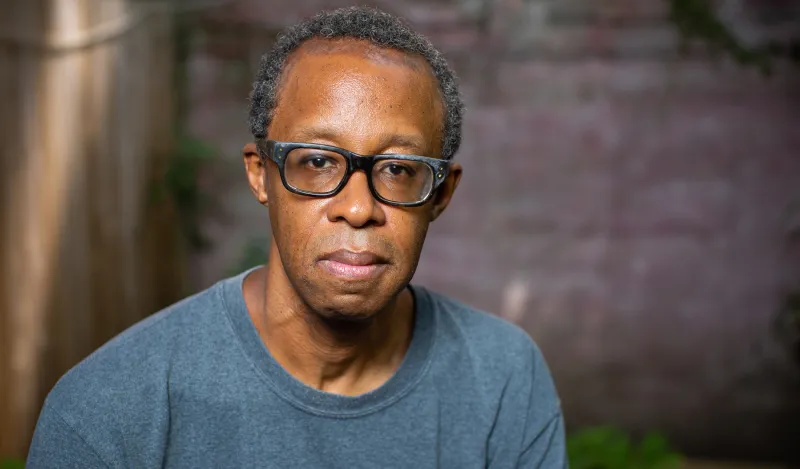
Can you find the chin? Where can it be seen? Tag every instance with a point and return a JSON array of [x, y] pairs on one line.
[[346, 319], [349, 300], [348, 308]]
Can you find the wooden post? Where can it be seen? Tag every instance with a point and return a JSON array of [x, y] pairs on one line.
[[86, 122]]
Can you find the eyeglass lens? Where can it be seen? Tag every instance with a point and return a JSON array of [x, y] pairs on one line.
[[320, 171]]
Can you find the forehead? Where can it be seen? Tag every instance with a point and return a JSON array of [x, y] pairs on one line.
[[360, 48], [357, 91]]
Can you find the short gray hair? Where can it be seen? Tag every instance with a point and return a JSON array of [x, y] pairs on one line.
[[378, 27]]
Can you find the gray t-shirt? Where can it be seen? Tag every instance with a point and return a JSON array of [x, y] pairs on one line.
[[193, 386]]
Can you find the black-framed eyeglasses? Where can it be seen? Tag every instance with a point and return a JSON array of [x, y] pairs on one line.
[[323, 170]]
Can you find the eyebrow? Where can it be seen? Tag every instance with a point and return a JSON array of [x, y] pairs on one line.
[[310, 134]]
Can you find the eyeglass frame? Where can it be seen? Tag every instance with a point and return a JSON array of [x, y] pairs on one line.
[[276, 152]]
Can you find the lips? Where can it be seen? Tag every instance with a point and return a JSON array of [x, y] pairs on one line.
[[353, 265], [344, 256]]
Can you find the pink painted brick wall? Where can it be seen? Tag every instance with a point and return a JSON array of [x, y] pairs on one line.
[[625, 207]]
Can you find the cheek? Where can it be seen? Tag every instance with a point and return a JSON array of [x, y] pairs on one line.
[[409, 232], [292, 225]]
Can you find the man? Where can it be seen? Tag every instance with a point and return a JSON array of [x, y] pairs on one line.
[[326, 357]]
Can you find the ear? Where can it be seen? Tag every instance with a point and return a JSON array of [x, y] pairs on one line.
[[445, 191], [256, 172]]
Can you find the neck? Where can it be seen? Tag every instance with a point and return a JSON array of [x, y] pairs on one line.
[[333, 355]]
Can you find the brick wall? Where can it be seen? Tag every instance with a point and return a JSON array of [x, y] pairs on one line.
[[624, 205]]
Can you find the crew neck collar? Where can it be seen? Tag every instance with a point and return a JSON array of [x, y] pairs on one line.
[[411, 370]]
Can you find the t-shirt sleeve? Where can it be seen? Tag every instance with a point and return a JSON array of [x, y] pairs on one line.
[[548, 448], [56, 444], [544, 440], [529, 426]]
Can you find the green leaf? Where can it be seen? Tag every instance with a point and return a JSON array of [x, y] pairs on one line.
[[254, 253], [697, 20], [607, 447], [655, 452], [599, 448], [12, 464]]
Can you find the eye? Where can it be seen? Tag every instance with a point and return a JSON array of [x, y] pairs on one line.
[[318, 162], [398, 169]]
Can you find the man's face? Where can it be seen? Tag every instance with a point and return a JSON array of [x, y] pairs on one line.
[[348, 255]]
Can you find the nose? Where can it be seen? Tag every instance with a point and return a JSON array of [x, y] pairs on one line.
[[355, 204]]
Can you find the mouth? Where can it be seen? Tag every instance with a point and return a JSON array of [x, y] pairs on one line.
[[351, 265]]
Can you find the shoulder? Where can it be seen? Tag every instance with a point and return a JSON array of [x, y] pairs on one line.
[[497, 359], [144, 344], [487, 350], [491, 356], [489, 336], [117, 400], [128, 376]]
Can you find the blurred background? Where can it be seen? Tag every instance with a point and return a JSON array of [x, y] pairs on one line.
[[631, 197]]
